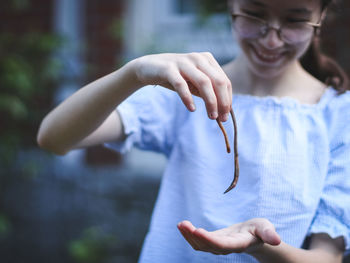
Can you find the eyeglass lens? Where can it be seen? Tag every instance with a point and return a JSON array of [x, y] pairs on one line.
[[291, 32]]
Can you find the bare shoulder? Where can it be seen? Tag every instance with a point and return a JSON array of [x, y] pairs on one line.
[[313, 90]]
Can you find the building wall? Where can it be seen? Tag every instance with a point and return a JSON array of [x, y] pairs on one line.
[[103, 36], [103, 54], [26, 17]]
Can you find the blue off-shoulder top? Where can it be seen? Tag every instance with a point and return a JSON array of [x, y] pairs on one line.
[[294, 168]]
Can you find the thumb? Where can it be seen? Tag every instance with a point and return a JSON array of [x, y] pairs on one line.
[[268, 234]]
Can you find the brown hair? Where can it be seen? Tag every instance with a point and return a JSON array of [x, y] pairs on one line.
[[322, 66]]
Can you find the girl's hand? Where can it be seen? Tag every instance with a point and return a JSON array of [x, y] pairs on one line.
[[243, 237], [196, 73]]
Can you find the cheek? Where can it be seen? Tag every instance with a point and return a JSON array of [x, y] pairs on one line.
[[302, 49], [244, 45], [292, 51]]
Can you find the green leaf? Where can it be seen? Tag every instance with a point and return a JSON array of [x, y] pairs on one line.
[[17, 75], [20, 5], [92, 247], [5, 226], [13, 106]]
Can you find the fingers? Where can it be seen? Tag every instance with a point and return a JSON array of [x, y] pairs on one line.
[[199, 74], [204, 86], [265, 230], [212, 242], [220, 84], [243, 237], [180, 85], [212, 84], [187, 229], [215, 244], [225, 242], [174, 71], [192, 236]]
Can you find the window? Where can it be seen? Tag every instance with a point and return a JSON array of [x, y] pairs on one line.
[[185, 6], [155, 26]]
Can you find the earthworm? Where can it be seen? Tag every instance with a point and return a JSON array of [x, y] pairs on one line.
[[225, 136], [195, 92], [235, 151]]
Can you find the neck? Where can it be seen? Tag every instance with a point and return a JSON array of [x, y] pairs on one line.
[[293, 82]]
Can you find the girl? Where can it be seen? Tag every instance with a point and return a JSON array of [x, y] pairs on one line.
[[293, 118]]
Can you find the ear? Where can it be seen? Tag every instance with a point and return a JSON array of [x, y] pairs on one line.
[[323, 17], [323, 14]]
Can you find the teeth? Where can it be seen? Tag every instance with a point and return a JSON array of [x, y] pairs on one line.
[[266, 56]]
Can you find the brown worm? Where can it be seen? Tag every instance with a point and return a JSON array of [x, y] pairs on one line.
[[235, 151], [236, 172], [225, 135], [195, 92]]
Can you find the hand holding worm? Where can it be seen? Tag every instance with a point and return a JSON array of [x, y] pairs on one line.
[[193, 74]]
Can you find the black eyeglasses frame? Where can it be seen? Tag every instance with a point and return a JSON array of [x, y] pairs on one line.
[[267, 25]]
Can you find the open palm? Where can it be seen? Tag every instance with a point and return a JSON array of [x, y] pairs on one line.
[[237, 238]]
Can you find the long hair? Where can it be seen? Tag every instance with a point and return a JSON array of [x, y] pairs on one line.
[[322, 66]]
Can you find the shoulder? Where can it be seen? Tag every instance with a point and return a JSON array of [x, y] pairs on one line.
[[337, 115], [338, 105]]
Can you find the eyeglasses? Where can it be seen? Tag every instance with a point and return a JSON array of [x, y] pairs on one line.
[[290, 32]]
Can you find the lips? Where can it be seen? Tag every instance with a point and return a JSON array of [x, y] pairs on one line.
[[267, 57]]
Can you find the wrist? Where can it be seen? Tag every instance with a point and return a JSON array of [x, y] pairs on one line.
[[124, 81], [270, 253], [132, 69], [256, 250]]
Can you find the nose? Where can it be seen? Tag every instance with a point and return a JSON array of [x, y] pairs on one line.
[[271, 40]]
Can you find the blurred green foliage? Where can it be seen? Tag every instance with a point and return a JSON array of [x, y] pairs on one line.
[[116, 29], [92, 247], [28, 75], [208, 7], [5, 226], [19, 5]]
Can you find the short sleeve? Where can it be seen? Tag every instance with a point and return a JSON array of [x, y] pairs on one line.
[[333, 212], [148, 118]]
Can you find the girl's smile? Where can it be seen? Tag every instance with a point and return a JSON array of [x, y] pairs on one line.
[[269, 58]]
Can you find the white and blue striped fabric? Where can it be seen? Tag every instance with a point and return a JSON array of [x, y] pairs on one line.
[[294, 168]]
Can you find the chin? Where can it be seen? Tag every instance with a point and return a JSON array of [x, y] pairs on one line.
[[268, 71]]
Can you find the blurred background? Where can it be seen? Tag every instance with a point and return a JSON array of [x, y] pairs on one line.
[[92, 205]]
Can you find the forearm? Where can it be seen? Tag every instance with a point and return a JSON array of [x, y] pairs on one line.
[[85, 110], [284, 253]]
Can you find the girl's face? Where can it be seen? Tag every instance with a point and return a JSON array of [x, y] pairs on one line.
[[283, 39]]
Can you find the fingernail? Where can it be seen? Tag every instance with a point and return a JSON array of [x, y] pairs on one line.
[[213, 115], [224, 117], [192, 107]]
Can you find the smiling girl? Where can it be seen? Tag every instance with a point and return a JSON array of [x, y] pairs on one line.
[[293, 118]]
